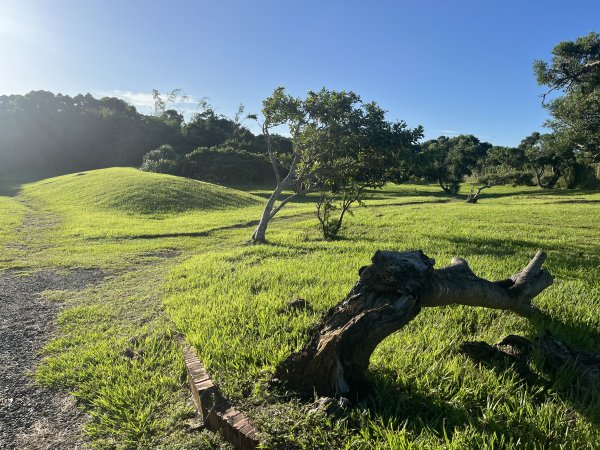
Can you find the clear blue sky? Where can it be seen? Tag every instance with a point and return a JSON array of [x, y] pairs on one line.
[[451, 66]]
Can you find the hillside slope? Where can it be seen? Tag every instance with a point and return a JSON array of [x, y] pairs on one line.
[[132, 191]]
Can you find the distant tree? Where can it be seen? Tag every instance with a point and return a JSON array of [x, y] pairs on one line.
[[549, 156], [43, 134], [448, 160], [501, 165], [574, 71], [337, 141]]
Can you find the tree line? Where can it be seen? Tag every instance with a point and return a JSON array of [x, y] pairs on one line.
[[335, 143], [44, 134]]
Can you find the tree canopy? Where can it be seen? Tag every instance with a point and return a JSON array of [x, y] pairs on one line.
[[448, 160], [337, 141], [574, 71]]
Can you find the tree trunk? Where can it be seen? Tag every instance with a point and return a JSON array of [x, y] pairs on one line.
[[444, 187], [389, 293], [260, 233], [473, 198]]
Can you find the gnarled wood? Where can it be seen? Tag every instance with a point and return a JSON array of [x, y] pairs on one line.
[[389, 293]]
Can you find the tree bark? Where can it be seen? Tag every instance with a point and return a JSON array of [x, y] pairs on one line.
[[389, 293], [444, 187], [259, 235], [473, 198]]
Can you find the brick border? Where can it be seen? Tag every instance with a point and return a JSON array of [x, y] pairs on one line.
[[216, 411]]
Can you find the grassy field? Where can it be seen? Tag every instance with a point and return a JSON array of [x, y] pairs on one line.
[[179, 263]]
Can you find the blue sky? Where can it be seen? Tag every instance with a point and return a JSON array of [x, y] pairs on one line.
[[452, 66]]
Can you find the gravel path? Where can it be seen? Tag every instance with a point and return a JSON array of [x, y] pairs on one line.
[[32, 417]]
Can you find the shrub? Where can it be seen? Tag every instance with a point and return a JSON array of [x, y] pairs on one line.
[[228, 166], [164, 159]]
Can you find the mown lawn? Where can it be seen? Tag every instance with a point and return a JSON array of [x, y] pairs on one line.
[[180, 270]]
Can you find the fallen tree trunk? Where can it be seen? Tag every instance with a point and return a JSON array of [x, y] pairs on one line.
[[391, 292]]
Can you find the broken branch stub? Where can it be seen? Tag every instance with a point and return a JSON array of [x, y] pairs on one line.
[[389, 293]]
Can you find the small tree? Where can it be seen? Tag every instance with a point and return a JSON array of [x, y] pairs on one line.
[[164, 159], [330, 223], [336, 139]]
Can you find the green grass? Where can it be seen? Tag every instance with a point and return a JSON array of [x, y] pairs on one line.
[[11, 217], [426, 396], [12, 214], [131, 191], [224, 295]]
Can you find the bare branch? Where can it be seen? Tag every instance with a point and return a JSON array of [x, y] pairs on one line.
[[457, 284]]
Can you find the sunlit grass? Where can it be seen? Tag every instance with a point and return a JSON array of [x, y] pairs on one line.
[[11, 217], [225, 295], [228, 304]]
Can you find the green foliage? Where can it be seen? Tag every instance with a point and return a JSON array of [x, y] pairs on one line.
[[162, 160], [330, 223], [575, 71], [336, 137], [228, 165], [337, 140], [330, 226], [501, 165], [448, 160], [42, 134], [549, 156]]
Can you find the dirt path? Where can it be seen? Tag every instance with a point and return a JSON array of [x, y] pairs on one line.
[[32, 417]]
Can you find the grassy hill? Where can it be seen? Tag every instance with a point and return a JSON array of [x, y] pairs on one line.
[[131, 191], [225, 296]]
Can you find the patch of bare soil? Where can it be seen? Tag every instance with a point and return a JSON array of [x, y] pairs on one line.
[[33, 417]]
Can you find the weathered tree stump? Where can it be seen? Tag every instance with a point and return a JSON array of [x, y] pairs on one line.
[[389, 293]]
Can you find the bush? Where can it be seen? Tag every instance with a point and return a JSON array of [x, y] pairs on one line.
[[227, 165], [164, 159]]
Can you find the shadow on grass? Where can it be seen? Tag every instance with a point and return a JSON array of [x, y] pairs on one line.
[[9, 189], [403, 406], [567, 381]]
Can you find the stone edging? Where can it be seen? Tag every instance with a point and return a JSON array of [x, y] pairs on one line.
[[218, 414]]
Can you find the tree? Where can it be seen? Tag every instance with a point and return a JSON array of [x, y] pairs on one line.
[[337, 140], [329, 224], [501, 165], [549, 156], [449, 160], [390, 292], [227, 165], [574, 71], [44, 134]]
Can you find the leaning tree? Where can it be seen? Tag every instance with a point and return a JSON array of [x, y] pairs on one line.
[[337, 140], [389, 293]]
